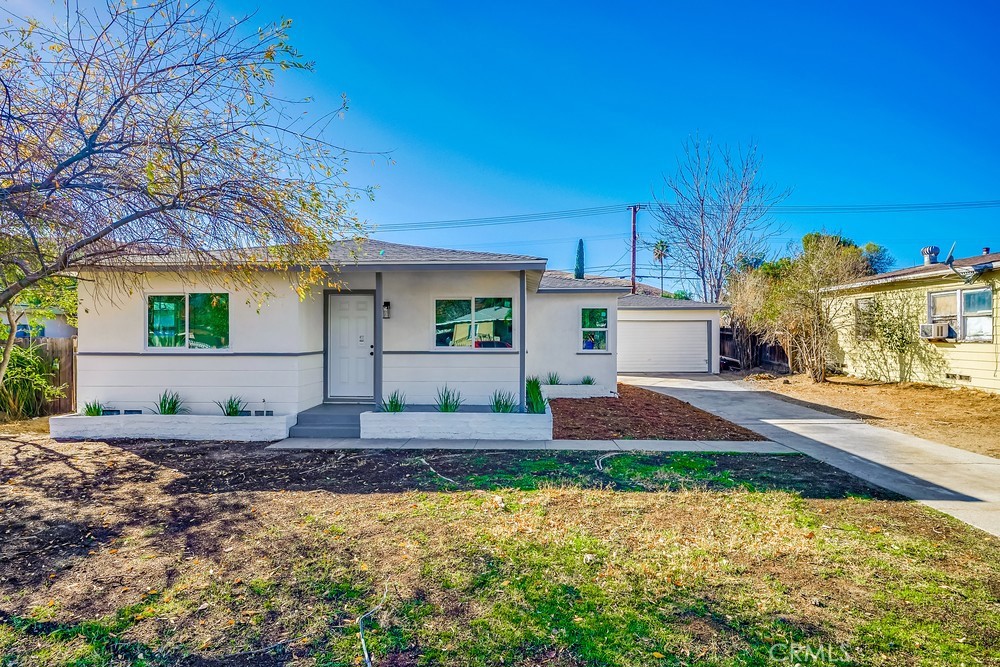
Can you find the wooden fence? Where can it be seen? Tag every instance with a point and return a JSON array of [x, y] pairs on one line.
[[63, 352], [768, 355]]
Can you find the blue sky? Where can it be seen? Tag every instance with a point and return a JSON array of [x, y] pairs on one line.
[[507, 108]]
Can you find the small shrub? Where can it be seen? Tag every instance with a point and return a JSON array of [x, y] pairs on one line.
[[394, 402], [231, 407], [170, 403], [588, 379], [503, 401], [449, 400], [93, 409], [536, 402], [553, 378], [28, 384]]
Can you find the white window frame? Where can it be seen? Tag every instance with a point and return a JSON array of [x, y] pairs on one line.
[[582, 330], [185, 349], [962, 315], [514, 331], [959, 295]]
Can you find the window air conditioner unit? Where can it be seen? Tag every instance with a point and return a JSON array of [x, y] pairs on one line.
[[935, 331]]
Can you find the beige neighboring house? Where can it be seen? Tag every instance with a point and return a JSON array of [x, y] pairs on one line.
[[944, 314], [49, 325]]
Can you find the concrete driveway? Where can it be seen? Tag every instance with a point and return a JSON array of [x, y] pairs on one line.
[[960, 483]]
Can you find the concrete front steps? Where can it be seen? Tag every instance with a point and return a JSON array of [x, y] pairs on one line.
[[330, 420]]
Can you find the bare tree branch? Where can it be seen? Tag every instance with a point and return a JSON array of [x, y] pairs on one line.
[[714, 210]]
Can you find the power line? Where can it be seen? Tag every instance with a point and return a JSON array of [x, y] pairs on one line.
[[788, 209]]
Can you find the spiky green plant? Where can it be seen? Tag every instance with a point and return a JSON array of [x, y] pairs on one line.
[[232, 406], [553, 378], [28, 384], [536, 401], [449, 400], [503, 401], [394, 402], [170, 403], [588, 379], [93, 409]]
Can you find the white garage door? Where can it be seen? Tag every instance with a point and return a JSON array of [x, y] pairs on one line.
[[662, 347]]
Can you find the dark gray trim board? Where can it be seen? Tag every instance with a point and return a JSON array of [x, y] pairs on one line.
[[379, 326], [585, 290], [451, 266], [197, 354], [465, 350], [522, 328]]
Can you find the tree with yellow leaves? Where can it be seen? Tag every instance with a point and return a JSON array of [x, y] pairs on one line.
[[156, 129]]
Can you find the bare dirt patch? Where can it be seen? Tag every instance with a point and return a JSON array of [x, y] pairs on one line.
[[639, 414], [965, 418]]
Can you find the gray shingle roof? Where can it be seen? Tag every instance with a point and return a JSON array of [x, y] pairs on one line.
[[374, 251], [649, 302], [986, 262], [561, 281]]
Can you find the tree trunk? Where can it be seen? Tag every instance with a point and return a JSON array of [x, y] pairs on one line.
[[8, 346]]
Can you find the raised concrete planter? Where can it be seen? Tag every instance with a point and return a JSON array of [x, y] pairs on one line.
[[456, 425], [578, 391], [172, 427]]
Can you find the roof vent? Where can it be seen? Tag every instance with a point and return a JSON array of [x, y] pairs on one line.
[[930, 254], [986, 250]]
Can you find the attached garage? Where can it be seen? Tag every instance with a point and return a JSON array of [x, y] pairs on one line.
[[659, 335]]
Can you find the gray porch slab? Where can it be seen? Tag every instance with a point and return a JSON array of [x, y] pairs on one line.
[[963, 484], [521, 445], [336, 443]]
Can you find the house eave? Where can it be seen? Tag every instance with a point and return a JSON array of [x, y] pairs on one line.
[[875, 281], [583, 290]]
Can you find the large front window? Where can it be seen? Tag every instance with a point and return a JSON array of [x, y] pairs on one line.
[[594, 329], [193, 321], [480, 322]]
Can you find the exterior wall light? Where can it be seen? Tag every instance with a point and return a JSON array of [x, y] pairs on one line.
[[385, 310]]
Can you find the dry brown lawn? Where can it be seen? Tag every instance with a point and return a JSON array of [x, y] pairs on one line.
[[964, 418], [160, 553]]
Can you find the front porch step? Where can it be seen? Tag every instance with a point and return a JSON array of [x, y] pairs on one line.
[[342, 420], [326, 431]]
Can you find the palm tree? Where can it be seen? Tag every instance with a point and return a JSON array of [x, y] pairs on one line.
[[660, 250]]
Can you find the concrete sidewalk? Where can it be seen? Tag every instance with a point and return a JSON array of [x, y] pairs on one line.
[[963, 484], [717, 446]]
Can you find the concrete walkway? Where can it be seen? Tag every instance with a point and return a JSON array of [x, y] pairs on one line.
[[544, 445], [960, 483]]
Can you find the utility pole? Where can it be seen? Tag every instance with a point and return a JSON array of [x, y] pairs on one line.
[[635, 241]]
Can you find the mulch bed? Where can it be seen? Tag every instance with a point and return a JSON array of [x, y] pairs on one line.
[[639, 414]]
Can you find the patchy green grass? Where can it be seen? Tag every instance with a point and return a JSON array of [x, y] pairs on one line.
[[201, 555]]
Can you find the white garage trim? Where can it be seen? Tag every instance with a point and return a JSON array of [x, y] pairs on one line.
[[664, 346]]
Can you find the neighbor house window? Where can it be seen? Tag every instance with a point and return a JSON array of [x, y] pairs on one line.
[[863, 317], [968, 312], [193, 321], [977, 315], [944, 309], [594, 329], [474, 323]]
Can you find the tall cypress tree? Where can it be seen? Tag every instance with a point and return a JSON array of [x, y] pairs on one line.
[[578, 271]]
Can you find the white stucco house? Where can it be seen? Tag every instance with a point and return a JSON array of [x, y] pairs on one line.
[[401, 318]]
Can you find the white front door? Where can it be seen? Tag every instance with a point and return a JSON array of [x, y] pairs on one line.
[[350, 346]]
